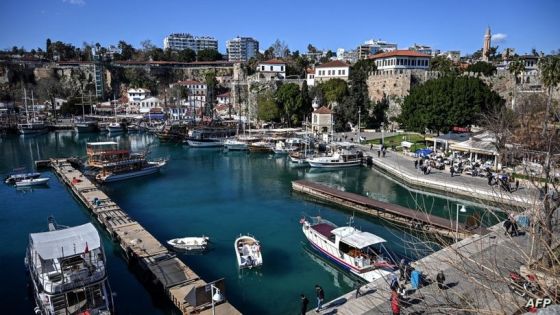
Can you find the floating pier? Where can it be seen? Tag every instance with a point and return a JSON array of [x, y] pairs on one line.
[[417, 220], [185, 289]]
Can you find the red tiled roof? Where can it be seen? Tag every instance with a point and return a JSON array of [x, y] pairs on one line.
[[322, 110], [310, 70], [273, 62], [226, 94], [334, 64], [399, 53]]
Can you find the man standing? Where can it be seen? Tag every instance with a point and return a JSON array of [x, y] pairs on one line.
[[304, 302], [320, 297], [416, 164], [395, 307], [451, 170], [440, 279]]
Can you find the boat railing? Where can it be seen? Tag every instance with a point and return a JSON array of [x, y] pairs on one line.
[[73, 280]]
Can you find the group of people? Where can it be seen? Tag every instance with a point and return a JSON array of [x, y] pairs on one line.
[[320, 298], [426, 168], [381, 151]]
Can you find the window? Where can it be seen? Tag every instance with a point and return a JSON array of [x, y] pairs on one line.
[[271, 68], [262, 68], [314, 119], [281, 68], [344, 72]]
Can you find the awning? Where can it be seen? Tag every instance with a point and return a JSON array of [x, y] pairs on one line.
[[66, 242], [356, 238]]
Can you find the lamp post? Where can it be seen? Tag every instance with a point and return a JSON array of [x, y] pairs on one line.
[[359, 116], [382, 138], [216, 297], [462, 210]]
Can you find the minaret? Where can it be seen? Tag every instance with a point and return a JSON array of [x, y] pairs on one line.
[[486, 47]]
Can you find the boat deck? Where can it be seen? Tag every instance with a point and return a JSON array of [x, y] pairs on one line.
[[323, 229], [391, 212], [165, 270]]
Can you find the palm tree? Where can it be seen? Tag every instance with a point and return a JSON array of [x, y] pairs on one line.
[[549, 67], [516, 67]]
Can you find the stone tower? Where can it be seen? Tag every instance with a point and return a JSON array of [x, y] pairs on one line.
[[486, 47]]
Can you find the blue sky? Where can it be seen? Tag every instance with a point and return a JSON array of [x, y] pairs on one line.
[[447, 25]]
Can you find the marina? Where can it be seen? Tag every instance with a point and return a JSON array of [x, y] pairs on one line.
[[177, 280], [195, 187]]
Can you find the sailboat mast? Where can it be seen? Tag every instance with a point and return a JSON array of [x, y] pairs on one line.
[[33, 105], [25, 102]]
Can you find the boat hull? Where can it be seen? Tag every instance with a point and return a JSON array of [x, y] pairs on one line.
[[205, 143], [32, 182], [333, 164], [85, 128], [124, 176], [33, 131], [248, 252]]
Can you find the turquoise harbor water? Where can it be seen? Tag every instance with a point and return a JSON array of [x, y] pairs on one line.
[[201, 191]]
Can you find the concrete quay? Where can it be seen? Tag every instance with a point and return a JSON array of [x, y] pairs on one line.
[[181, 285], [401, 168]]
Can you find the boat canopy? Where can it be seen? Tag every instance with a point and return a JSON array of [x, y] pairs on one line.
[[356, 238], [66, 242]]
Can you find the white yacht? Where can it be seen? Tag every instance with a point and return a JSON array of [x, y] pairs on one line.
[[343, 156], [68, 271], [32, 182], [115, 127], [235, 145], [248, 252], [362, 253], [20, 174]]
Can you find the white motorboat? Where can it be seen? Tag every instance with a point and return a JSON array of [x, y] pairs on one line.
[[248, 252], [115, 127], [205, 143], [235, 145], [341, 158], [281, 148], [190, 243], [85, 126], [362, 253], [32, 182], [68, 272], [19, 174]]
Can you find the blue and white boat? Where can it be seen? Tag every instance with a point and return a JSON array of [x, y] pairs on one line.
[[361, 253]]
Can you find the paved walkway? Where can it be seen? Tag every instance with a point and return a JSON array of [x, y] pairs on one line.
[[476, 271], [402, 168]]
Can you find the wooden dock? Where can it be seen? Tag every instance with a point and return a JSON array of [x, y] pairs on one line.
[[185, 289], [418, 220]]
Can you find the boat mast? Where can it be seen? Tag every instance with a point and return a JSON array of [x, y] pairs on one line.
[[25, 102], [33, 105]]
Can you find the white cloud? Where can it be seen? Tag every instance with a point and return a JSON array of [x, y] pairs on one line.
[[75, 2], [499, 37]]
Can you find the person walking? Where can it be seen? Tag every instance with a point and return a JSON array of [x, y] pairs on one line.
[[440, 278], [378, 153], [516, 184], [304, 302], [416, 164], [320, 297], [395, 305], [451, 170]]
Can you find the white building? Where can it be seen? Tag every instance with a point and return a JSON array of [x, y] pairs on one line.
[[401, 60], [242, 48], [330, 70], [310, 76], [424, 49], [145, 105], [374, 46], [453, 55], [272, 69], [224, 98], [196, 90], [529, 61], [136, 95], [321, 120], [180, 41]]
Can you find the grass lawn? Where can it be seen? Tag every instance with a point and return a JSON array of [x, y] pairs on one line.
[[418, 140]]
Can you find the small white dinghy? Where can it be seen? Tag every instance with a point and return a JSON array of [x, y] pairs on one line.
[[32, 182], [248, 251], [190, 243]]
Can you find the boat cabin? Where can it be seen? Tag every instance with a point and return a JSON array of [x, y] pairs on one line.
[[365, 248], [101, 153]]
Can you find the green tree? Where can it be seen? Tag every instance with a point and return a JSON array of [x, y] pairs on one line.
[[127, 51], [208, 55], [305, 100], [267, 110], [449, 101], [477, 54], [49, 88], [443, 65], [481, 67], [549, 67], [186, 55], [289, 100], [333, 90], [516, 67]]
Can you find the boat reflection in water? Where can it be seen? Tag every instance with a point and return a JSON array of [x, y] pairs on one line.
[[338, 275]]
